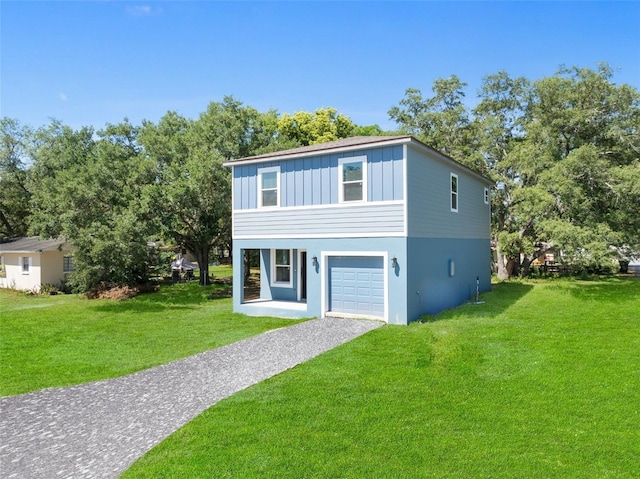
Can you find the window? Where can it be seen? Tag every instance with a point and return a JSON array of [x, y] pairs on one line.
[[26, 263], [281, 267], [67, 264], [486, 196], [353, 179], [268, 187], [454, 192]]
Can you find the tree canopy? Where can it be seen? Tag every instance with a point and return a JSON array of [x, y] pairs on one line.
[[563, 151]]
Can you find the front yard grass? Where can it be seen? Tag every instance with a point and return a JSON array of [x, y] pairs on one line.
[[48, 341], [543, 380]]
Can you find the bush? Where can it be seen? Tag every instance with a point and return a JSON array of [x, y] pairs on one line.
[[49, 289]]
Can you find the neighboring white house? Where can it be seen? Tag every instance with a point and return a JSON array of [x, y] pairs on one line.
[[28, 263]]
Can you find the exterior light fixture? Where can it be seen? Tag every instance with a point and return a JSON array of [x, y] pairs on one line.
[[314, 261], [394, 262]]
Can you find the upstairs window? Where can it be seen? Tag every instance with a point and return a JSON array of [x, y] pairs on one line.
[[269, 187], [353, 179], [281, 271], [454, 192]]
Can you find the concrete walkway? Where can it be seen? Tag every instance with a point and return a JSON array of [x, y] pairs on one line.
[[97, 430]]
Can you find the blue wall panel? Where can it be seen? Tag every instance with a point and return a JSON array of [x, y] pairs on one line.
[[432, 289], [314, 181]]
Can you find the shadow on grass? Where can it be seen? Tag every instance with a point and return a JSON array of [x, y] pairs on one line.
[[608, 290], [179, 296], [501, 297]]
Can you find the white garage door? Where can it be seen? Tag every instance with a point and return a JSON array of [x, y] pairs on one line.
[[356, 285]]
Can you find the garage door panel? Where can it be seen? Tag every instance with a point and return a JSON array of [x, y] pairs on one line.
[[357, 285]]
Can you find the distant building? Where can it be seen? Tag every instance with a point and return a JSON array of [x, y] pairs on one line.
[[28, 263]]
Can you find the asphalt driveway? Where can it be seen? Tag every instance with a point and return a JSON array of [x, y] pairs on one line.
[[97, 430]]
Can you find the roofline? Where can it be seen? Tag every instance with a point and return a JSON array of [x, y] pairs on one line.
[[398, 140], [448, 159], [286, 154], [59, 245]]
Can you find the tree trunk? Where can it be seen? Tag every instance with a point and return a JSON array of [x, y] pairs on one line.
[[202, 255], [526, 266], [502, 267]]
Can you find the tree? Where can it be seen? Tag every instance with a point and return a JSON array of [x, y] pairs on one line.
[[192, 190], [305, 128], [564, 154], [87, 188], [441, 121], [499, 122], [15, 197]]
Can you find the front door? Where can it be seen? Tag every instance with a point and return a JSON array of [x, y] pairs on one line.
[[303, 275]]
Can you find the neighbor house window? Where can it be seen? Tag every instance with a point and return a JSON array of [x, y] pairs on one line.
[[486, 196], [353, 179], [67, 264], [269, 187], [454, 192], [26, 263], [281, 270]]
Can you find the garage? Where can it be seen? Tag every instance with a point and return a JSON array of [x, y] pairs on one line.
[[356, 286]]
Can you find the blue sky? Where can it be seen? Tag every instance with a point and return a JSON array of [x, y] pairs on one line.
[[92, 63]]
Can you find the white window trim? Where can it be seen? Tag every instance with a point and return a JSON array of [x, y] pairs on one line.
[[299, 274], [353, 159], [28, 263], [281, 284], [451, 192], [261, 171]]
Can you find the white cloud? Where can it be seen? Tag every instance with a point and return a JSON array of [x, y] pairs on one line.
[[143, 10], [62, 96]]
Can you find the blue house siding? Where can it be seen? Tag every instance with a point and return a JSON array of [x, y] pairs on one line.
[[363, 219], [432, 288], [326, 248], [389, 257], [314, 181], [429, 200]]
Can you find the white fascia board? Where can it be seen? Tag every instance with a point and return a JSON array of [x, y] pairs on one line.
[[349, 204], [319, 236]]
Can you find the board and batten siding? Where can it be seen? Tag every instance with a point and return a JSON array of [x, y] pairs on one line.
[[429, 200], [361, 220], [314, 181]]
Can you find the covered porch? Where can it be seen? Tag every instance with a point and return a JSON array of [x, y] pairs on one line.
[[272, 281]]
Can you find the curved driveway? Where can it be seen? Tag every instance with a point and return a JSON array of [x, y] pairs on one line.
[[97, 430]]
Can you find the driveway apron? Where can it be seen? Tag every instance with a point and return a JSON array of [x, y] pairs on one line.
[[97, 430]]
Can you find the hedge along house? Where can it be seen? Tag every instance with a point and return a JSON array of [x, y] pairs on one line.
[[29, 262], [384, 228]]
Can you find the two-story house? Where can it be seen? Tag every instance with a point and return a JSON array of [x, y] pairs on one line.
[[374, 227]]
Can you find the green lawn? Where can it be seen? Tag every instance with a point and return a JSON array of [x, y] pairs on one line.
[[48, 341], [541, 381]]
